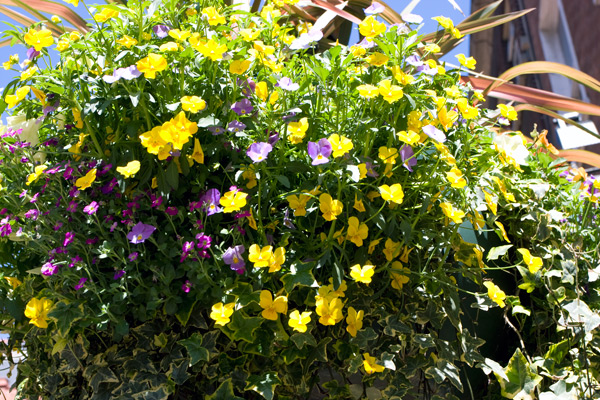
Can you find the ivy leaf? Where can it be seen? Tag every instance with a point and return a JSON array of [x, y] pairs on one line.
[[178, 371], [264, 384], [243, 327], [393, 326], [522, 381], [363, 337], [103, 375], [496, 252], [193, 345], [184, 310], [224, 392], [300, 275], [65, 314], [469, 346], [301, 339]]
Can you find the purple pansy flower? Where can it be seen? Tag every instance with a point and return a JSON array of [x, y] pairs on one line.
[[162, 31], [242, 107], [287, 84], [91, 208], [49, 269], [233, 258], [140, 233], [32, 53], [408, 157], [211, 201], [236, 126], [434, 133], [127, 73], [216, 129], [79, 285], [259, 151], [319, 151]]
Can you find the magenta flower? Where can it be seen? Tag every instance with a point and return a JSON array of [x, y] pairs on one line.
[[69, 236], [140, 233], [33, 214], [82, 281], [233, 258], [319, 151], [211, 202], [49, 269], [72, 206], [242, 107], [91, 208], [171, 211], [133, 256], [287, 84], [434, 133], [75, 260], [258, 152], [187, 247], [186, 286], [118, 274], [204, 241]]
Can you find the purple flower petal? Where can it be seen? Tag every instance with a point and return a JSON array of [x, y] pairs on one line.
[[374, 8], [259, 152], [140, 233], [407, 153], [287, 84], [319, 151], [434, 133], [162, 31]]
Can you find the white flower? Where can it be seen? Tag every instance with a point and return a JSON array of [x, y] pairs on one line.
[[513, 146]]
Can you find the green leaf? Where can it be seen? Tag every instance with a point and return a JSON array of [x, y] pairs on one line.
[[301, 339], [522, 381], [424, 341], [264, 384], [223, 392], [193, 345], [65, 314], [172, 176], [103, 375], [469, 346], [178, 371], [300, 275], [243, 327], [393, 326], [185, 310], [445, 370], [363, 337], [496, 252], [283, 180]]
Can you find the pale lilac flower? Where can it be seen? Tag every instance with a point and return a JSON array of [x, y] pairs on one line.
[[236, 126], [367, 43], [374, 8], [319, 151], [414, 60], [371, 170], [91, 208], [140, 233], [69, 236], [434, 133], [82, 281], [49, 269], [216, 129], [162, 31], [259, 151], [274, 138], [306, 39], [32, 53], [287, 84], [127, 73], [408, 157], [411, 18], [211, 201], [233, 258], [242, 107]]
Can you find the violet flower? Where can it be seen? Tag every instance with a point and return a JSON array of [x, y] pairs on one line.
[[434, 133], [242, 107], [236, 126], [69, 236], [118, 274], [79, 285], [32, 53], [216, 129], [259, 151], [374, 8], [127, 73], [211, 202], [49, 269], [408, 157], [319, 151], [287, 84], [140, 233], [306, 39], [133, 256], [233, 258], [162, 31]]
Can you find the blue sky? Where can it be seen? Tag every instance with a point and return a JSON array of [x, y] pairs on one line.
[[426, 8]]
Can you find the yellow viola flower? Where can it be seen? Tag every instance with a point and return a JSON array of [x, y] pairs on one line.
[[340, 145], [371, 28], [297, 130], [179, 35], [221, 313], [169, 46], [477, 220], [14, 99], [357, 231], [269, 12], [28, 73], [362, 274], [467, 110], [105, 15], [455, 177], [13, 282], [298, 321], [402, 77], [495, 293], [409, 137], [212, 16], [392, 249], [192, 104], [491, 203], [178, 130], [239, 67], [298, 204], [37, 172], [190, 12], [63, 44], [444, 22], [455, 215], [508, 112], [377, 59], [39, 39], [372, 245], [399, 275], [502, 230], [354, 321], [468, 62], [393, 193], [388, 155], [152, 140], [249, 35], [447, 118], [151, 64], [370, 364], [391, 93], [12, 60], [432, 48], [37, 311], [233, 201], [262, 91], [507, 195], [127, 41], [86, 181], [272, 307], [198, 154], [330, 312], [329, 207], [277, 259], [74, 36], [358, 204], [368, 91], [533, 263], [130, 169], [260, 256]]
